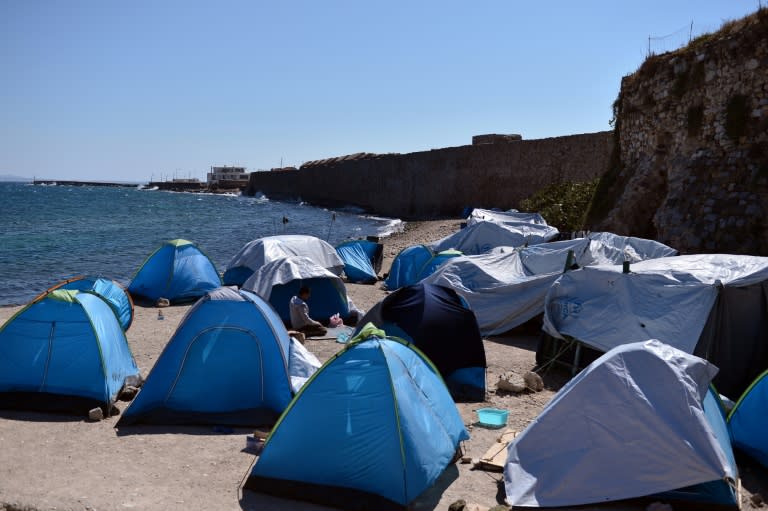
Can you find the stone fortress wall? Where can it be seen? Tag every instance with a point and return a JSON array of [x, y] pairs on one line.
[[497, 171], [690, 166]]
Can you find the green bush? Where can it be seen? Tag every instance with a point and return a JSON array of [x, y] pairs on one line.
[[562, 205]]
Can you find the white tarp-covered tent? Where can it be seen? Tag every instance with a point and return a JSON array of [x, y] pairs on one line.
[[259, 252], [506, 287], [711, 305], [482, 237], [638, 421], [279, 280], [511, 216]]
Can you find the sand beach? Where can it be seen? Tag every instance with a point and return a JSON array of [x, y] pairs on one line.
[[65, 462]]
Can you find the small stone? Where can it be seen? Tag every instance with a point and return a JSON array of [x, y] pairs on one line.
[[756, 499], [162, 302], [500, 507], [466, 459], [511, 382], [533, 381], [459, 505], [128, 393], [96, 414]]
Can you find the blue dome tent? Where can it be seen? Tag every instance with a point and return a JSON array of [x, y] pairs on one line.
[[116, 296], [415, 263], [227, 363], [178, 271], [373, 428], [437, 320], [362, 260], [64, 351], [748, 421]]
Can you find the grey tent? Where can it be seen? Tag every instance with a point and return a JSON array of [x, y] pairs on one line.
[[638, 421], [713, 305], [506, 287]]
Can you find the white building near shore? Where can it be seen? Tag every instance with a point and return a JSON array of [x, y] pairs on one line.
[[228, 176]]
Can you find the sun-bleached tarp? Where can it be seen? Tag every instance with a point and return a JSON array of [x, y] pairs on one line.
[[669, 299], [632, 424], [507, 286], [502, 217], [279, 280], [481, 237], [255, 254]]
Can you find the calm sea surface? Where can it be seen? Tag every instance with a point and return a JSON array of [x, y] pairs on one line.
[[51, 233]]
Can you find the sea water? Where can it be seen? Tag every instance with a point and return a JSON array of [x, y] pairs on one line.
[[51, 233]]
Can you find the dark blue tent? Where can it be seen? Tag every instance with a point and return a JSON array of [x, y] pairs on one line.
[[362, 260], [372, 429], [116, 296], [748, 421], [64, 351], [438, 322], [178, 271], [226, 364]]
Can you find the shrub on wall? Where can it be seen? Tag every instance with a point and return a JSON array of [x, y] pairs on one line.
[[563, 205]]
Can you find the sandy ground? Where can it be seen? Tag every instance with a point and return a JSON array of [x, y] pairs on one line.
[[64, 462]]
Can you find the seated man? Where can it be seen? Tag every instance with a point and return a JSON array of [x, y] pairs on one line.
[[300, 319]]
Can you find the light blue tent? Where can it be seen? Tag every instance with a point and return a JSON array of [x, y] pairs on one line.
[[178, 271], [64, 351], [748, 421], [374, 427], [116, 296], [415, 263], [360, 260], [227, 363]]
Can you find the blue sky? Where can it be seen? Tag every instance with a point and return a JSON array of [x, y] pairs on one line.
[[108, 90]]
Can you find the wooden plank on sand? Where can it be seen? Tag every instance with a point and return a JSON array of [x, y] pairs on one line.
[[496, 455]]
